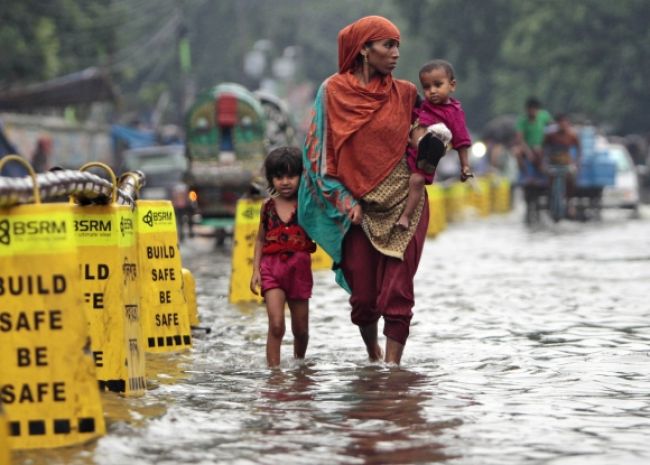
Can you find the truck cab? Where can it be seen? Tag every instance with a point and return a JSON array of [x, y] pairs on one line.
[[225, 147]]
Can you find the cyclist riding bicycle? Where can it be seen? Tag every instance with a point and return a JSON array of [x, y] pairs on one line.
[[530, 130], [561, 155]]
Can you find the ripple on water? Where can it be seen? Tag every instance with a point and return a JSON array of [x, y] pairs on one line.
[[527, 347]]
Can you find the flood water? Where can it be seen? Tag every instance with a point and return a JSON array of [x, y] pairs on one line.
[[527, 347]]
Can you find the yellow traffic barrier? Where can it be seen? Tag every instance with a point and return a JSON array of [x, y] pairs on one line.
[[437, 215], [500, 199], [5, 452], [189, 291], [320, 260], [108, 257], [479, 194], [162, 302], [247, 222], [48, 384], [455, 201]]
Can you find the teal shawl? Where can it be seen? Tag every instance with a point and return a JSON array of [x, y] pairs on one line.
[[323, 202]]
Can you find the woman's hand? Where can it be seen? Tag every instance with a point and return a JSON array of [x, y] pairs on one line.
[[356, 214], [256, 282]]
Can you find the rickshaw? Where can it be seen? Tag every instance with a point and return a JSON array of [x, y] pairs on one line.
[[547, 190], [229, 130]]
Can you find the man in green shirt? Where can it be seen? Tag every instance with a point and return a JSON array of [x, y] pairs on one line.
[[530, 134]]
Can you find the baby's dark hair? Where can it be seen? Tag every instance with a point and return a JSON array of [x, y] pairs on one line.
[[282, 161], [439, 64]]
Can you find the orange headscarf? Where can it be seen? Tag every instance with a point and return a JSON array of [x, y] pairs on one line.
[[354, 36], [367, 126]]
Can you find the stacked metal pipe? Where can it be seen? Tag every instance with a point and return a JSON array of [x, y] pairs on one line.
[[59, 185]]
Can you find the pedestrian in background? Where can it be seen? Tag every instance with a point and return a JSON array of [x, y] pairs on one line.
[[355, 183], [42, 154], [531, 128], [282, 260]]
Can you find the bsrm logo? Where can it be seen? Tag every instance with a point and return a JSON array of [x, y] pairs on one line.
[[29, 228], [155, 217], [92, 226]]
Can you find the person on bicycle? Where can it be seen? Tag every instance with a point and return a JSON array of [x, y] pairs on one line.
[[530, 130], [527, 149], [561, 154]]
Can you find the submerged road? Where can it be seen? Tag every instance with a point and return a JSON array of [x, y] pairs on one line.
[[528, 347]]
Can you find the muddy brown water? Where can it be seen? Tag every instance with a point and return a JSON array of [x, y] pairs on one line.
[[527, 347]]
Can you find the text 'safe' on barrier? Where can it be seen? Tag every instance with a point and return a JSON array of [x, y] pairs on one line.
[[247, 221], [108, 261], [48, 384], [162, 302]]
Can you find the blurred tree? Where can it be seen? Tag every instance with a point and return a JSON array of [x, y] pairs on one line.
[[313, 26], [469, 34], [591, 58], [43, 39]]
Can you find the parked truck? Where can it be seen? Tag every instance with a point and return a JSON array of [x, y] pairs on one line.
[[229, 130]]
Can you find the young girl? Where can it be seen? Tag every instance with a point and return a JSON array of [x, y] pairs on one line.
[[439, 120], [282, 260]]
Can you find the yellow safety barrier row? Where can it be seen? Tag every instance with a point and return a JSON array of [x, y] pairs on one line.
[[47, 383], [107, 247], [481, 197], [446, 204], [164, 308], [122, 267], [437, 215], [501, 195], [108, 265]]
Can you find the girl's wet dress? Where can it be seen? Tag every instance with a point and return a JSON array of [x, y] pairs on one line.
[[286, 259]]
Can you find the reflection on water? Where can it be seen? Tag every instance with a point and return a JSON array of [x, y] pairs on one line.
[[386, 419], [528, 347]]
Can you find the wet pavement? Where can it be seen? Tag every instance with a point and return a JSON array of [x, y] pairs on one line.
[[527, 347]]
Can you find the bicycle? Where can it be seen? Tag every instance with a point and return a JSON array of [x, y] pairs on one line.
[[557, 201]]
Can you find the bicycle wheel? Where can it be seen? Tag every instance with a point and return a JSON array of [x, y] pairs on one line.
[[557, 201]]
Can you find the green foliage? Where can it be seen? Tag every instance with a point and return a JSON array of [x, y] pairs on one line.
[[589, 59], [43, 39], [587, 56]]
